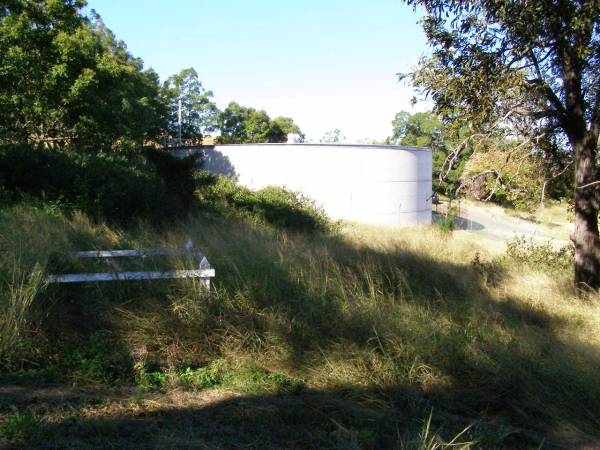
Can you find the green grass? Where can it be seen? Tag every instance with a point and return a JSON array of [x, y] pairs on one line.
[[391, 323]]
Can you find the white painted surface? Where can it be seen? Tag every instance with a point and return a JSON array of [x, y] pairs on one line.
[[205, 271], [374, 184]]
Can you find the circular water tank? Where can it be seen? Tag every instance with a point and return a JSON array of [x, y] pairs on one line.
[[375, 184]]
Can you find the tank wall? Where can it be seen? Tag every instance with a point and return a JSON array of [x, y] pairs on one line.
[[370, 184]]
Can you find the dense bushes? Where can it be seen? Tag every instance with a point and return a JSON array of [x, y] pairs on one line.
[[272, 204], [149, 185], [121, 187], [540, 254]]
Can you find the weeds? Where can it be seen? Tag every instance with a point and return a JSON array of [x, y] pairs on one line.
[[249, 379], [18, 428], [21, 291], [447, 221], [528, 251], [402, 320]]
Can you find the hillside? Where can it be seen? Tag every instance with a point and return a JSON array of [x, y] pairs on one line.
[[348, 338]]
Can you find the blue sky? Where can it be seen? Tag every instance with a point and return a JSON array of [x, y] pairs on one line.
[[325, 63]]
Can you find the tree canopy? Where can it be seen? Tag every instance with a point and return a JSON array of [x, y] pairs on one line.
[[66, 79], [426, 129], [527, 71], [241, 124], [199, 112]]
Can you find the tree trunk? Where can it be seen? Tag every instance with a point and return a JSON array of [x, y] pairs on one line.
[[585, 236]]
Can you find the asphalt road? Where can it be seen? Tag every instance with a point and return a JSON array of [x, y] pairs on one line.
[[495, 224]]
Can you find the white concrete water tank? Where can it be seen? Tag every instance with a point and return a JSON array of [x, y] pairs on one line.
[[374, 184]]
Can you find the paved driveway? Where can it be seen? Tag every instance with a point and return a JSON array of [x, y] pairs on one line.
[[496, 224]]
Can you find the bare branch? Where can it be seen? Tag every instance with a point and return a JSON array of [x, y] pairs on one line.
[[454, 155], [593, 183], [550, 94], [548, 180]]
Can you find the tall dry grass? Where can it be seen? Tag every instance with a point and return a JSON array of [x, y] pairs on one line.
[[20, 291], [402, 318]]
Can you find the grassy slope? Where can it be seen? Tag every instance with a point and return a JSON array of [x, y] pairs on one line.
[[350, 339]]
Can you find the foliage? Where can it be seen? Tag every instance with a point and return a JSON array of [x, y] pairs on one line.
[[248, 378], [426, 129], [123, 188], [287, 125], [526, 72], [242, 125], [540, 254], [18, 428], [66, 80], [513, 178], [95, 361], [20, 290], [333, 137], [447, 222], [177, 174], [198, 111], [274, 205]]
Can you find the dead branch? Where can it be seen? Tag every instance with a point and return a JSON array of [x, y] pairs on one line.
[[548, 180], [593, 183]]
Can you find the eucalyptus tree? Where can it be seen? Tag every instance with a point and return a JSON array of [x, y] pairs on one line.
[[198, 111], [531, 69]]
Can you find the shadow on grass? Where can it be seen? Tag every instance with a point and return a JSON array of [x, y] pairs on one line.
[[419, 332], [92, 418], [460, 223], [306, 421]]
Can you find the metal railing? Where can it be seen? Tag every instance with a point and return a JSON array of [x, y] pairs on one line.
[[204, 270]]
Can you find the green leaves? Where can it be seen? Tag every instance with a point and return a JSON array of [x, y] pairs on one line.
[[426, 129], [240, 124], [199, 112], [66, 80]]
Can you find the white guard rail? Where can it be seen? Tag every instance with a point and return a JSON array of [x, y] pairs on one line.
[[204, 271]]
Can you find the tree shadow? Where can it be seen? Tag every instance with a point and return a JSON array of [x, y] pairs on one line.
[[421, 333], [213, 160], [499, 357], [219, 420], [218, 163], [460, 223]]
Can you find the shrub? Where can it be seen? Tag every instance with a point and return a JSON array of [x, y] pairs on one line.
[[275, 205], [447, 222], [120, 188], [178, 174], [528, 251]]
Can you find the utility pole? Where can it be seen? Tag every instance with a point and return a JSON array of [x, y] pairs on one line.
[[179, 121]]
